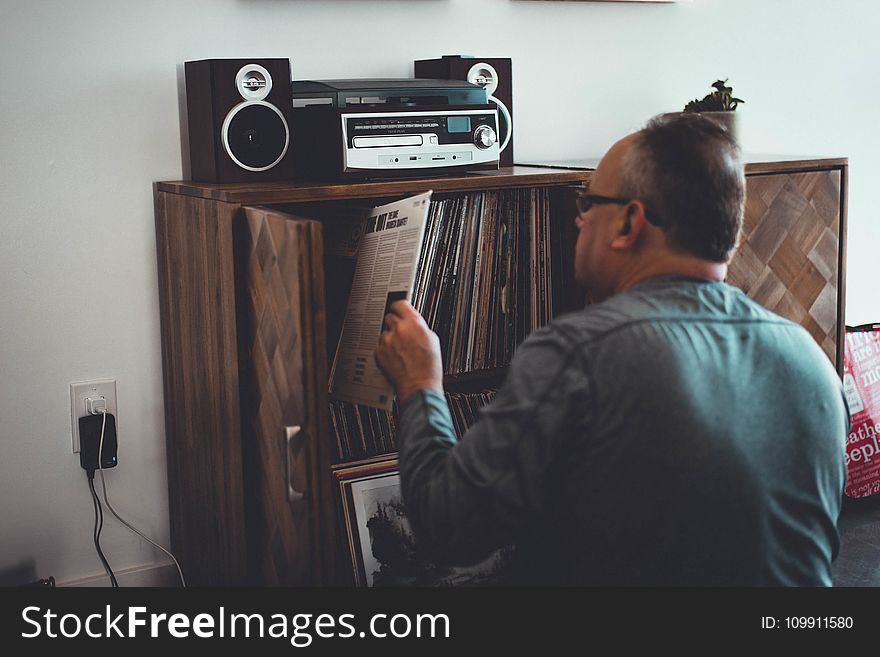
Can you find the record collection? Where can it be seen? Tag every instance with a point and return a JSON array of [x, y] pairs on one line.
[[363, 431], [483, 283], [474, 286]]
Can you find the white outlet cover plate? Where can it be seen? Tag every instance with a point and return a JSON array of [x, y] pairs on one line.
[[79, 392]]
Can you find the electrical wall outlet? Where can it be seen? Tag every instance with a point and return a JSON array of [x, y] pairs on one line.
[[85, 395]]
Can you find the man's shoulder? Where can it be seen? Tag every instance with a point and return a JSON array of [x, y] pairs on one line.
[[668, 300]]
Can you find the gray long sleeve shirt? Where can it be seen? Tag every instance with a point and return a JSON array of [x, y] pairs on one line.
[[676, 434]]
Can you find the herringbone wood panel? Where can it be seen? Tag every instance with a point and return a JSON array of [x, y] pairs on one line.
[[285, 346], [787, 259]]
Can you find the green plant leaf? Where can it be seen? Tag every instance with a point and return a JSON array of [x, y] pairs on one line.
[[719, 100]]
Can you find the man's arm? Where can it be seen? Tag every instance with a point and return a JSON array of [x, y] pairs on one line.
[[465, 499]]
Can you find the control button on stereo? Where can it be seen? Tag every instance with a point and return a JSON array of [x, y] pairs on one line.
[[484, 137]]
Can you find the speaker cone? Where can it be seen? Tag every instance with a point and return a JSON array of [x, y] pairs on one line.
[[255, 135]]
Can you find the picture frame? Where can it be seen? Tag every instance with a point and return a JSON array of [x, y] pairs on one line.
[[381, 544]]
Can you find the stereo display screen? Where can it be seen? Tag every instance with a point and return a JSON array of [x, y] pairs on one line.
[[458, 123]]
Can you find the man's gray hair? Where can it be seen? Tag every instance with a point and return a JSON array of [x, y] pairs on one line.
[[689, 173]]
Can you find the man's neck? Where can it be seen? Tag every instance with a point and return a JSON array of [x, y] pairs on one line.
[[673, 265]]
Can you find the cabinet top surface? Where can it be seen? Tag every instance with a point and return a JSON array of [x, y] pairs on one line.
[[756, 163], [292, 191], [560, 172]]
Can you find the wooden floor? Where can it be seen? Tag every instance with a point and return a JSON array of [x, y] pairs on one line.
[[858, 563]]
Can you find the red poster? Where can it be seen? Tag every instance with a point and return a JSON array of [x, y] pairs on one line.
[[861, 383]]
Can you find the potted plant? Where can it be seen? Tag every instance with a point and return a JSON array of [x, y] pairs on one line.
[[719, 105]]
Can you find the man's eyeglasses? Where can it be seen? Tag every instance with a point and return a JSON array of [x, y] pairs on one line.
[[585, 202]]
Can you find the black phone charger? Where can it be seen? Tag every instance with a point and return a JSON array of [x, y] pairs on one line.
[[90, 440]]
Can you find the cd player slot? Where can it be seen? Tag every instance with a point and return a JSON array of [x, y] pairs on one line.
[[379, 142]]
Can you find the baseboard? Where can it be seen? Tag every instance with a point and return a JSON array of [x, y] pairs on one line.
[[152, 575]]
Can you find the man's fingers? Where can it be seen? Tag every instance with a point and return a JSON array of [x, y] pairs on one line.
[[405, 311], [390, 320], [403, 308]]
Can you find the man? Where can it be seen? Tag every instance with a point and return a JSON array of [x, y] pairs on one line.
[[671, 433]]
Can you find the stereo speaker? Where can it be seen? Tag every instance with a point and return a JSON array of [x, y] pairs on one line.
[[493, 73], [238, 114]]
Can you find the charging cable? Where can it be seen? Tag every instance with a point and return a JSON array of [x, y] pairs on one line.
[[113, 511], [96, 532]]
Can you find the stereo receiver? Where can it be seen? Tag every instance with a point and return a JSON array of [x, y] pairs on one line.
[[391, 128]]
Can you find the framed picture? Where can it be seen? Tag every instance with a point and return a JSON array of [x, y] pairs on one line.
[[381, 542]]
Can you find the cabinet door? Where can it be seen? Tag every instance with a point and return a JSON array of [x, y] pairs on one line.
[[788, 259], [282, 357]]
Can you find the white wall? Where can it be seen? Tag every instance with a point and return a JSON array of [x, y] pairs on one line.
[[90, 119]]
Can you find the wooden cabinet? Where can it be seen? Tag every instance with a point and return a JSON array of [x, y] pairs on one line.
[[244, 349], [242, 304]]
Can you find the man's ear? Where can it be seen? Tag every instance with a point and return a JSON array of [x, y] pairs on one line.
[[629, 226]]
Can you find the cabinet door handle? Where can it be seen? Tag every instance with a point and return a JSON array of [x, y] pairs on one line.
[[293, 495]]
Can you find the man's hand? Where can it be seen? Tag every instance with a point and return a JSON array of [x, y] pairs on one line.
[[409, 352]]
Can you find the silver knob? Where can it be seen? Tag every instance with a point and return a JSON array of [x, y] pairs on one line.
[[484, 137]]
